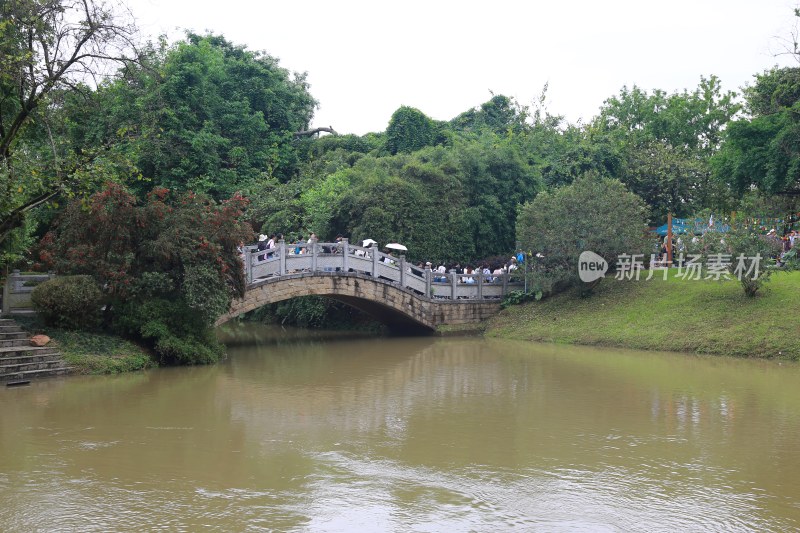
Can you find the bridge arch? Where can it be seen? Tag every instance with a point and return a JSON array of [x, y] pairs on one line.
[[398, 307]]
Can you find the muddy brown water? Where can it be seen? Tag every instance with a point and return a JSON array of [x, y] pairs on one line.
[[408, 434]]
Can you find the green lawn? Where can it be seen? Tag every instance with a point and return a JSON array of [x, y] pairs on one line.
[[681, 315]]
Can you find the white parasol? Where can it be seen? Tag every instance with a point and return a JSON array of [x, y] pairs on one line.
[[396, 246], [366, 243]]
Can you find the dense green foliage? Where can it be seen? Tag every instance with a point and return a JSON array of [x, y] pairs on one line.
[[71, 302], [410, 130], [48, 49], [764, 151], [445, 204], [203, 115], [665, 142], [592, 214], [168, 267]]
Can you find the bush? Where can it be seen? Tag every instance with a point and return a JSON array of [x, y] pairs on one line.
[[177, 333], [734, 252], [71, 302], [591, 214]]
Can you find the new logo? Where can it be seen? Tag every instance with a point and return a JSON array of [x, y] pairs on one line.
[[591, 266]]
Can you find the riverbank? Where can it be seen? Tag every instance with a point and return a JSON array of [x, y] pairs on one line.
[[92, 352], [701, 316]]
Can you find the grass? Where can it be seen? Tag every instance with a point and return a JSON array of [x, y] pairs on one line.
[[702, 316], [93, 352]]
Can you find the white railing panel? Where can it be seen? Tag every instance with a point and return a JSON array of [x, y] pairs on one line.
[[492, 290], [360, 264], [270, 267], [441, 290], [329, 262], [415, 283], [466, 291], [298, 262], [388, 271]]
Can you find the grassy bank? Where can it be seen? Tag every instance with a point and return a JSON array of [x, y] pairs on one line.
[[93, 353], [682, 315]]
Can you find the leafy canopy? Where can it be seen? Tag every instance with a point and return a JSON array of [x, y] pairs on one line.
[[592, 214]]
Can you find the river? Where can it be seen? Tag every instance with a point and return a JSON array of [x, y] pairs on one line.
[[408, 434]]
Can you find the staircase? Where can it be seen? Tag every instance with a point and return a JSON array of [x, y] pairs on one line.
[[19, 361]]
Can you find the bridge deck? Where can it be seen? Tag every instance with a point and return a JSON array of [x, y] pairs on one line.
[[345, 260]]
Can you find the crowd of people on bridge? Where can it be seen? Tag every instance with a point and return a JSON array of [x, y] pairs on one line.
[[493, 271]]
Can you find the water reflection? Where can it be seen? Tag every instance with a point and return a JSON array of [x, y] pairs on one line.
[[403, 434]]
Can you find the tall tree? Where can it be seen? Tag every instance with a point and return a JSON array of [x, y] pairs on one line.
[[666, 141], [206, 115], [763, 150], [48, 47]]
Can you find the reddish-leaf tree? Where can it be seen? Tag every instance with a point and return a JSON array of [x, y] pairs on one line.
[[178, 250]]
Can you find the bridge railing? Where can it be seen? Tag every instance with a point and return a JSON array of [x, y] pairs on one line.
[[17, 291], [324, 257]]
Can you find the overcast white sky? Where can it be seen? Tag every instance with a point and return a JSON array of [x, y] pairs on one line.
[[367, 58]]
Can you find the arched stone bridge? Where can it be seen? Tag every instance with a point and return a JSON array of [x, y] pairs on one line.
[[385, 287]]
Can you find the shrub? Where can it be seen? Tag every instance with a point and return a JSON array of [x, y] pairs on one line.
[[735, 251], [71, 302], [177, 333], [591, 214]]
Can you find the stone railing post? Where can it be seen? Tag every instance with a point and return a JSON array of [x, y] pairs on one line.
[[282, 256], [427, 282], [7, 293], [345, 254], [313, 245], [375, 253], [480, 285], [453, 283], [505, 283], [248, 265], [403, 271]]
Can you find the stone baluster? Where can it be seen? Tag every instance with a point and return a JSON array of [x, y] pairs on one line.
[[505, 283], [345, 254], [375, 254], [313, 245], [248, 264], [403, 271], [453, 283], [282, 255], [480, 285], [428, 282]]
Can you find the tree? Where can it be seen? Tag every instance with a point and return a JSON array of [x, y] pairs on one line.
[[686, 120], [47, 47], [500, 115], [592, 214], [743, 253], [410, 130], [666, 141], [168, 267], [664, 177], [763, 151], [205, 115]]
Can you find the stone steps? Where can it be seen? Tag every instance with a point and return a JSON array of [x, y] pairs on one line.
[[28, 375], [25, 365], [17, 351], [21, 335], [19, 361]]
